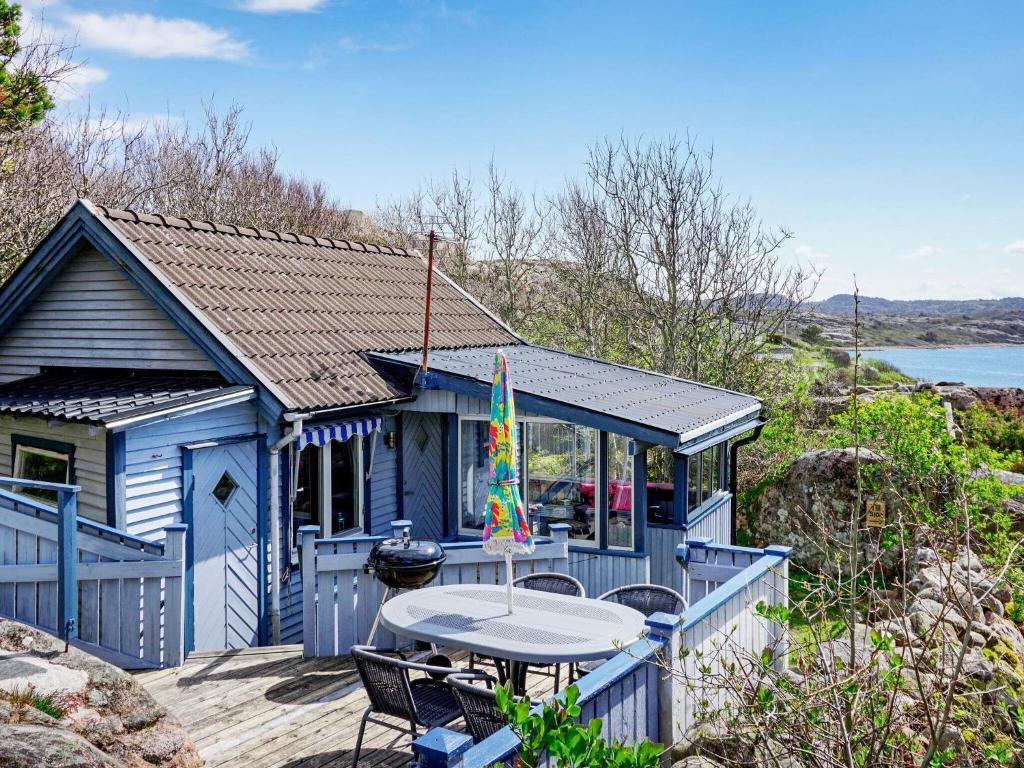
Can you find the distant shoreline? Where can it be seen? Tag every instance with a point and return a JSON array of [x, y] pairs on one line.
[[985, 344]]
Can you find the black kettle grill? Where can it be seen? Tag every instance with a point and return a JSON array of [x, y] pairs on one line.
[[403, 563]]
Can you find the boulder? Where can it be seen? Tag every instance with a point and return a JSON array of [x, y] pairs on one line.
[[32, 746], [106, 715], [816, 492]]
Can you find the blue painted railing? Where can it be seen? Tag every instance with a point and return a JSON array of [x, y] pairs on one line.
[[624, 692], [119, 595], [662, 684]]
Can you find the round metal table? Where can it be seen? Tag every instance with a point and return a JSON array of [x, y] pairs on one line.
[[543, 628]]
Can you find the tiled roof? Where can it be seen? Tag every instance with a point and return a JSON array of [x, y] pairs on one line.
[[665, 404], [100, 396], [302, 309]]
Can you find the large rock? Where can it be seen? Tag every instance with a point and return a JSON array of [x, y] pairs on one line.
[[811, 503], [36, 746], [105, 718]]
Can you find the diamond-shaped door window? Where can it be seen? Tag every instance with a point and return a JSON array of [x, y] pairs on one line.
[[225, 489]]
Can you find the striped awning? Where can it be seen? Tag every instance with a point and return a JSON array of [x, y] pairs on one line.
[[324, 433]]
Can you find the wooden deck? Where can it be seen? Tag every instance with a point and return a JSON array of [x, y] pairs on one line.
[[269, 707]]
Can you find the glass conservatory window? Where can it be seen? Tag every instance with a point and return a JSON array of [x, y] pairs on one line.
[[561, 467], [620, 493]]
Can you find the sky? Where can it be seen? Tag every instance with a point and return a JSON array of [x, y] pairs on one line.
[[887, 137]]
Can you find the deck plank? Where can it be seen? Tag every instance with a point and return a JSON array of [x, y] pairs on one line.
[[271, 708]]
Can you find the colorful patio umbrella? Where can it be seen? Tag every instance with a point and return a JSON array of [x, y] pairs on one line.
[[506, 529]]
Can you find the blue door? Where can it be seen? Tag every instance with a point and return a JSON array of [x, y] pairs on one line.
[[226, 558]]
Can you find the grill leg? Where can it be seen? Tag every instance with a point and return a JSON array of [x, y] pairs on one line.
[[376, 619], [359, 738]]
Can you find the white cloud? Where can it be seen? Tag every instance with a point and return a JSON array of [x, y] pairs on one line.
[[78, 82], [356, 45], [921, 252], [152, 37], [811, 254], [1017, 246], [281, 6]]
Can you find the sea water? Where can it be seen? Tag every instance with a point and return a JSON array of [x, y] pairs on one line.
[[993, 366]]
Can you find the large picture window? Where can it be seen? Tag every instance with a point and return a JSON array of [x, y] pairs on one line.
[[561, 472], [48, 464], [328, 488], [474, 477]]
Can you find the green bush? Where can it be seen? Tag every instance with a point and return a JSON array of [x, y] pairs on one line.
[[553, 730]]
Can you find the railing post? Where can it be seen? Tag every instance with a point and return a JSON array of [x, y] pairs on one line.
[[441, 748], [400, 527], [671, 687], [67, 565], [780, 588], [307, 545], [689, 549], [560, 535], [174, 596]]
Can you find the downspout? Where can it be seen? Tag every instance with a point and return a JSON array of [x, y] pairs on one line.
[[733, 450], [275, 525]]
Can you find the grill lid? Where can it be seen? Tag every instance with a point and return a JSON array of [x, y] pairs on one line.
[[405, 553]]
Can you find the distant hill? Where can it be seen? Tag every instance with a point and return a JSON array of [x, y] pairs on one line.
[[841, 305]]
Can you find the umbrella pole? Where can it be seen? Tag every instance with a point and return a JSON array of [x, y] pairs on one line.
[[508, 573]]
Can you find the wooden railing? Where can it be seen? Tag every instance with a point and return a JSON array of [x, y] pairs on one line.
[[624, 692], [339, 604], [711, 523], [118, 596], [661, 684]]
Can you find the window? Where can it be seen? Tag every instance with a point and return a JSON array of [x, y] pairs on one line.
[[328, 488], [706, 475], [620, 493], [474, 474], [46, 464], [561, 472], [660, 485], [225, 489]]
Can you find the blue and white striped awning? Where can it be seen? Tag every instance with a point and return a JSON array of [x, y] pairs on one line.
[[323, 434]]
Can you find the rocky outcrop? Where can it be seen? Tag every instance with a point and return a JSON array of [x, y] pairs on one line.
[[954, 634], [962, 396], [810, 504], [72, 709]]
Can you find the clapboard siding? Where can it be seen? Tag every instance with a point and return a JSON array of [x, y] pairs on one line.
[[383, 481], [601, 571], [153, 476], [92, 316], [90, 456]]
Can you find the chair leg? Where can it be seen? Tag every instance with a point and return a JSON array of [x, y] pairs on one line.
[[359, 738], [472, 660]]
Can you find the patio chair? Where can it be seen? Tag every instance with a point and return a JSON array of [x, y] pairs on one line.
[[426, 702], [553, 583], [646, 598], [479, 710]]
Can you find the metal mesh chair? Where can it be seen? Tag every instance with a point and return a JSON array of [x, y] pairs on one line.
[[553, 583], [478, 706], [646, 598], [426, 702]]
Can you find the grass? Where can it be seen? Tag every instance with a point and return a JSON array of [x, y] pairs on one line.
[[23, 698]]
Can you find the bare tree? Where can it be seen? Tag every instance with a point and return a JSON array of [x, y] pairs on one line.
[[707, 282]]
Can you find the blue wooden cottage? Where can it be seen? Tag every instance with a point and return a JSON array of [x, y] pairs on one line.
[[247, 383]]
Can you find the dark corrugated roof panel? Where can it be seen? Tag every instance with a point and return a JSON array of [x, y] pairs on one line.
[[664, 403], [302, 309], [102, 396]]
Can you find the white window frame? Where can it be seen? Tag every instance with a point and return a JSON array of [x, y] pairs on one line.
[[326, 491], [19, 454]]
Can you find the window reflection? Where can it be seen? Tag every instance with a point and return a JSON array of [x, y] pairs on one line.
[[561, 470]]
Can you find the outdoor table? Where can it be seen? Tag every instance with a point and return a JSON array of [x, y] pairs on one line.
[[543, 628]]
